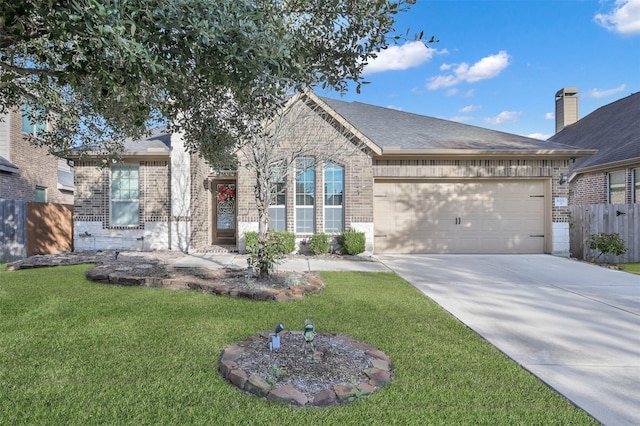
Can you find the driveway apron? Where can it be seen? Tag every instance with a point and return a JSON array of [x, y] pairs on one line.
[[574, 325]]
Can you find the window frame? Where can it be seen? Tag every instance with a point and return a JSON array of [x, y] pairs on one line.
[[122, 201], [635, 184], [332, 167], [304, 167], [617, 187], [40, 190], [28, 126], [278, 204]]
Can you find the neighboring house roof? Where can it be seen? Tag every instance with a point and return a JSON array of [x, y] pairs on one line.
[[157, 142], [398, 132], [614, 130], [8, 166]]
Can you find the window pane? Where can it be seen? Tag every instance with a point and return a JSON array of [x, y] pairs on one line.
[[333, 197], [125, 206], [41, 195], [333, 220], [125, 213], [305, 195], [278, 220], [304, 220], [617, 188]]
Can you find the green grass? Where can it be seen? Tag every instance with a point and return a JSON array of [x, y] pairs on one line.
[[634, 268], [74, 352]]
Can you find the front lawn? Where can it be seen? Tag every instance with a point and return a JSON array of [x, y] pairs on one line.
[[77, 352], [634, 268]]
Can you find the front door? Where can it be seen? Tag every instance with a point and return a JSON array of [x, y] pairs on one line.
[[224, 212]]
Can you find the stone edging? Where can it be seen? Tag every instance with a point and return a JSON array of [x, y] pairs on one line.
[[379, 373]]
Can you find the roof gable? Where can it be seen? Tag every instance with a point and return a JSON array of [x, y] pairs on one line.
[[614, 130]]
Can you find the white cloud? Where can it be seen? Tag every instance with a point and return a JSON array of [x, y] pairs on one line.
[[409, 55], [623, 19], [549, 116], [469, 108], [541, 136], [487, 67], [395, 107], [503, 117], [461, 118], [598, 93]]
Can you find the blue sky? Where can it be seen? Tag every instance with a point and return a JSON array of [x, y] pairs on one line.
[[498, 64]]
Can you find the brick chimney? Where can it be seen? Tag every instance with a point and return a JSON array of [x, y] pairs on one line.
[[566, 107]]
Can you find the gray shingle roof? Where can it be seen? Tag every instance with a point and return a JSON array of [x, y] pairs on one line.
[[158, 141], [8, 166], [406, 131], [614, 130]]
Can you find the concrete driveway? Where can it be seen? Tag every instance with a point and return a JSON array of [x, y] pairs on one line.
[[574, 325]]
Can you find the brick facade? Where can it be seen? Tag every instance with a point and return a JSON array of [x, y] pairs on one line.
[[37, 168], [200, 203], [592, 188], [311, 136]]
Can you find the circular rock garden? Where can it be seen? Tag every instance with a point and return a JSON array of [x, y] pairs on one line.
[[338, 369]]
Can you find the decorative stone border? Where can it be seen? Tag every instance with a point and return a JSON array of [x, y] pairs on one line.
[[379, 372], [309, 283]]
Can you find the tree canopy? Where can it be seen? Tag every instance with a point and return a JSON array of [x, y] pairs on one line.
[[104, 70]]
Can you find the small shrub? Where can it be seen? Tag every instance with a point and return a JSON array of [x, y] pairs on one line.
[[319, 243], [352, 242], [286, 240], [251, 242], [607, 243], [276, 247]]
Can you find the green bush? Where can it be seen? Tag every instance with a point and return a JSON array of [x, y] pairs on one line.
[[352, 242], [275, 248], [319, 243], [607, 243], [286, 240]]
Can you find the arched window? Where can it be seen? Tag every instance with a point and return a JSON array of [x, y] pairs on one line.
[[305, 193]]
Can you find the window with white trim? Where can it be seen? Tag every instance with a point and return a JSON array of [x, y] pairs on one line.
[[40, 195], [305, 189], [28, 124], [617, 187], [277, 207], [125, 195], [333, 198]]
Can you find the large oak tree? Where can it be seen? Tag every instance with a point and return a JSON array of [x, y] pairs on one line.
[[106, 70]]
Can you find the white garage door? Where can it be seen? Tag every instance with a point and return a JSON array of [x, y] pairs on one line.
[[459, 217]]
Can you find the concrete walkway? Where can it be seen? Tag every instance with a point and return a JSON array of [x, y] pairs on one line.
[[574, 325], [293, 263]]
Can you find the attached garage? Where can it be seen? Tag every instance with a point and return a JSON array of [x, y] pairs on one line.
[[461, 216]]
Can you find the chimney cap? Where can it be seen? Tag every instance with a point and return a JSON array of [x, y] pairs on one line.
[[567, 91]]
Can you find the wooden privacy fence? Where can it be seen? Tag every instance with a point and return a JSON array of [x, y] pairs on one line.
[[623, 219], [27, 229]]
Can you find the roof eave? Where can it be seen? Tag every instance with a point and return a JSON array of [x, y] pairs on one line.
[[606, 166], [386, 151]]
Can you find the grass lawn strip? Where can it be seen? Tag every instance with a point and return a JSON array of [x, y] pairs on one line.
[[76, 352]]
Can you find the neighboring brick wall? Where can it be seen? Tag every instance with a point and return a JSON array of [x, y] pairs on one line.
[[37, 168], [589, 188]]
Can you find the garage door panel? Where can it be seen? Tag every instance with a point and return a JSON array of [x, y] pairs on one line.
[[459, 217]]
